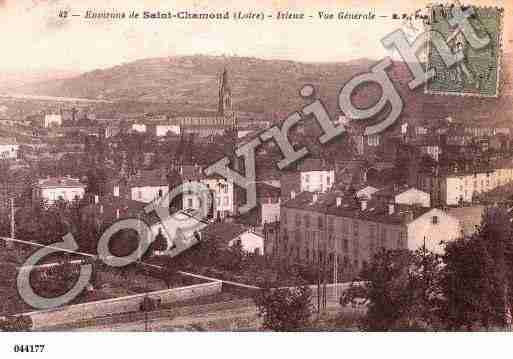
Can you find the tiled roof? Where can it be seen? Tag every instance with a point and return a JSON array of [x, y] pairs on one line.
[[148, 178], [378, 213], [266, 190], [314, 164], [394, 190], [224, 231], [59, 182], [350, 208]]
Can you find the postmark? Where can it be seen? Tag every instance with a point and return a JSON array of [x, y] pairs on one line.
[[478, 74]]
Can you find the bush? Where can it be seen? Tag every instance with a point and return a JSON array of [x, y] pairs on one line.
[[22, 323]]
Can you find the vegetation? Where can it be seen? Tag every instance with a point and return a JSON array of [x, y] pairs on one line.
[[467, 288], [285, 309]]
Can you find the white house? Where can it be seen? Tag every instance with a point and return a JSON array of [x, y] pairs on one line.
[[58, 188], [221, 189], [463, 186], [163, 130], [432, 228], [52, 120], [404, 195], [8, 148], [139, 127], [316, 176], [231, 234], [145, 186]]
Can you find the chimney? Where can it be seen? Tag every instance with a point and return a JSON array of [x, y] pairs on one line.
[[339, 201], [391, 208], [96, 199], [364, 204], [292, 194]]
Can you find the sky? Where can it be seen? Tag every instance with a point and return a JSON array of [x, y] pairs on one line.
[[34, 37]]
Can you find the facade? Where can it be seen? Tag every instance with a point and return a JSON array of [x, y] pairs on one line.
[[53, 189], [221, 189], [145, 186], [162, 130], [230, 234], [333, 228], [8, 148], [52, 120], [458, 187], [312, 175]]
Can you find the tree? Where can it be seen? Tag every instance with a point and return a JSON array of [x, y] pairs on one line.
[[477, 277], [400, 290], [285, 309], [232, 258]]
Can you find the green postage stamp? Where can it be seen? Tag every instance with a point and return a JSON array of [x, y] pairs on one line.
[[479, 72]]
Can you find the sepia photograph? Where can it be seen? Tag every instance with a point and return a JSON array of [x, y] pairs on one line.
[[248, 168]]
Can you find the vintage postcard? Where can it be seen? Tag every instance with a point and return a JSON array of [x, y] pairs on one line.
[[253, 166]]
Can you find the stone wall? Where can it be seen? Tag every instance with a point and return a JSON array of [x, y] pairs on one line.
[[84, 311]]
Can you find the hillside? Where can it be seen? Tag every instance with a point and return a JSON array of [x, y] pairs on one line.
[[190, 82]]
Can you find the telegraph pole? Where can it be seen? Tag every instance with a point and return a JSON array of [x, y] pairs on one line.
[[335, 268], [10, 244]]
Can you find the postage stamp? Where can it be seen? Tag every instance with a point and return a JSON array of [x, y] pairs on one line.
[[478, 74]]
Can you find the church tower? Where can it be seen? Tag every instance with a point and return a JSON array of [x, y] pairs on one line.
[[225, 95]]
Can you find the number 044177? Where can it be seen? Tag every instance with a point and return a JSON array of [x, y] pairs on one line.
[[29, 348]]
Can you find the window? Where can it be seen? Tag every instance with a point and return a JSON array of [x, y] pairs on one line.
[[298, 219], [328, 180], [307, 220], [383, 237], [160, 193], [372, 231], [189, 202], [307, 178], [344, 226], [435, 220], [356, 228], [320, 222]]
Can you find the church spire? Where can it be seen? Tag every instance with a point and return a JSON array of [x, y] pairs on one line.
[[225, 94]]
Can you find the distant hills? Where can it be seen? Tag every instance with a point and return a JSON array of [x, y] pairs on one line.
[[191, 83], [14, 79]]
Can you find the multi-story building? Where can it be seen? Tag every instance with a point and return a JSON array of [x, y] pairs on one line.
[[8, 148], [222, 191], [312, 175], [462, 186], [52, 189], [332, 228], [145, 186]]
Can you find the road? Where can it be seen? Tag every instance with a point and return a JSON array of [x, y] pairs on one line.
[[243, 318]]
